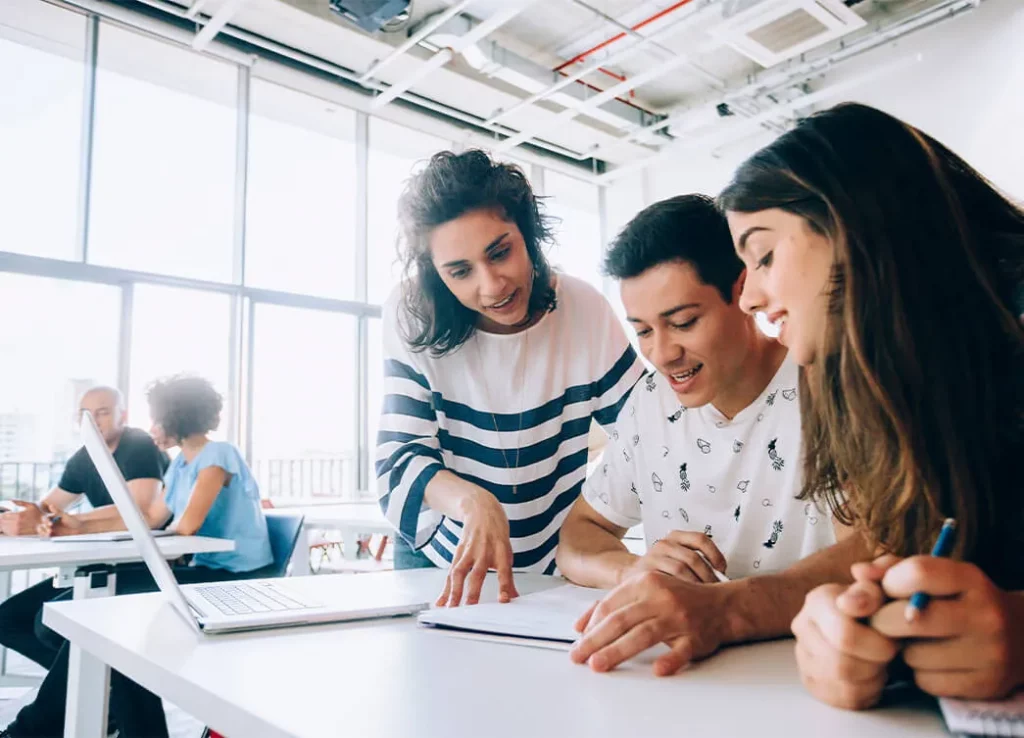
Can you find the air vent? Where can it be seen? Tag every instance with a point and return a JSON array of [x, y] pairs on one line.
[[775, 30], [374, 15]]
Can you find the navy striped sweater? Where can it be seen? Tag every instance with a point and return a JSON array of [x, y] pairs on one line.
[[510, 413]]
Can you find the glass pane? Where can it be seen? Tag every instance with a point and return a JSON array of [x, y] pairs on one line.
[[300, 234], [41, 84], [624, 199], [304, 403], [164, 159], [374, 393], [178, 331], [577, 248], [47, 364], [394, 153]]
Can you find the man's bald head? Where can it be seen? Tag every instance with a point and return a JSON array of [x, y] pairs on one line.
[[106, 405]]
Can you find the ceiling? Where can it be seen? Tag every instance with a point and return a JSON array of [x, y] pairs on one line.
[[678, 77]]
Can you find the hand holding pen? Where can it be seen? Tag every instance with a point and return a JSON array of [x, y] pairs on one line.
[[959, 632]]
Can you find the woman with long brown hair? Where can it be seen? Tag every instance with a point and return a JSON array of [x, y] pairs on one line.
[[894, 270]]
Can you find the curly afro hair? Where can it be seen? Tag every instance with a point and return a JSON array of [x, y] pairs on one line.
[[184, 406]]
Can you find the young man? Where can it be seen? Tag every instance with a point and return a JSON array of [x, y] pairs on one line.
[[706, 454], [143, 466]]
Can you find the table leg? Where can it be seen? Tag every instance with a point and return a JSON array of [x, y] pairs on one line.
[[350, 544], [300, 556], [88, 677], [5, 592]]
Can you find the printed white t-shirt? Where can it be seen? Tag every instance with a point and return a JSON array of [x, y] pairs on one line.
[[693, 469]]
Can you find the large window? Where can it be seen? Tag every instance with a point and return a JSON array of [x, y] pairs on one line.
[[301, 211], [164, 184], [48, 361], [304, 402], [624, 198], [394, 154], [163, 159], [578, 246], [178, 331], [41, 83]]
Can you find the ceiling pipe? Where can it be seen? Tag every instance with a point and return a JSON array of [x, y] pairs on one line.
[[659, 70], [748, 126], [615, 58], [216, 23], [619, 36], [630, 31], [792, 75], [425, 30], [132, 18], [444, 56]]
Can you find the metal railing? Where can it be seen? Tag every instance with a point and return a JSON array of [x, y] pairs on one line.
[[333, 477], [28, 480], [328, 477]]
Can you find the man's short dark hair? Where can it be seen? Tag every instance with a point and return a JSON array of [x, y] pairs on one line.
[[686, 228]]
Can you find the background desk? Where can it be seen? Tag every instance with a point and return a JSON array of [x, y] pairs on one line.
[[24, 552], [352, 519], [394, 678]]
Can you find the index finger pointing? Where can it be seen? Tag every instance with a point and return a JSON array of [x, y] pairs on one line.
[[506, 582]]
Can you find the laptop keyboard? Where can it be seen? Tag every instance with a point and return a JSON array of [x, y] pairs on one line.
[[248, 599]]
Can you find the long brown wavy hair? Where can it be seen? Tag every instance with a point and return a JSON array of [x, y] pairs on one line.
[[915, 412]]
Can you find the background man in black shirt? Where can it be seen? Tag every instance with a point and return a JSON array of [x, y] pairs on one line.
[[143, 466]]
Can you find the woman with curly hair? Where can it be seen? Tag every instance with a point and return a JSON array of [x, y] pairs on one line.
[[209, 491], [494, 367]]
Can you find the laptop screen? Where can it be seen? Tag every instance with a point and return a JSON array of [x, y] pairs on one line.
[[112, 478]]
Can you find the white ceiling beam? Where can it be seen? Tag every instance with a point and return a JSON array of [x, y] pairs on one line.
[[421, 34], [438, 60], [658, 70], [194, 9], [220, 19], [561, 84]]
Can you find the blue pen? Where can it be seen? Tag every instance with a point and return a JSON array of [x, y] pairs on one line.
[[943, 546]]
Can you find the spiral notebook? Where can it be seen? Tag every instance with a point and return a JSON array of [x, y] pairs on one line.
[[1002, 717]]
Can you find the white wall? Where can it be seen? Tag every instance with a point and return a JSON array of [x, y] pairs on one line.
[[967, 91]]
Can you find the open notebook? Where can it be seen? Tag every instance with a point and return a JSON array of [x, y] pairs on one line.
[[1002, 717], [541, 618]]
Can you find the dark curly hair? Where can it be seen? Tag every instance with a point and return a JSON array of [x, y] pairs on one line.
[[184, 406], [450, 186]]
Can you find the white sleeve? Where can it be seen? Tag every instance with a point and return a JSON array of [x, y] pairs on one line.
[[408, 452]]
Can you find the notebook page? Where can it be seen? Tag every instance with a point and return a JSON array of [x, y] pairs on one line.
[[547, 615], [999, 717]]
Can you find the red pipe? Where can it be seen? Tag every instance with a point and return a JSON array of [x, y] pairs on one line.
[[619, 36]]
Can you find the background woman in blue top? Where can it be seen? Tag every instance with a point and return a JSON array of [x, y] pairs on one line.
[[209, 491]]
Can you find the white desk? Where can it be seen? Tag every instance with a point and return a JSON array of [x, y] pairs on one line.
[[352, 519], [29, 552], [393, 678]]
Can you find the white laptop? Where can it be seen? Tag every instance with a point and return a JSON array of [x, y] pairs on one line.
[[111, 536], [256, 604]]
